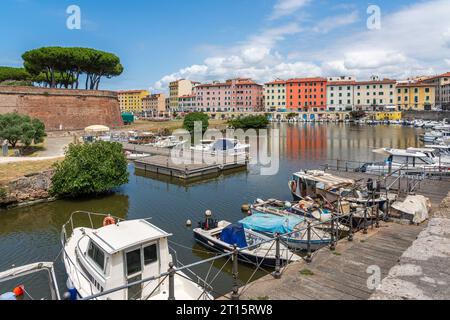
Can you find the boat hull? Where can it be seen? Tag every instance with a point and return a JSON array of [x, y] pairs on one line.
[[242, 256]]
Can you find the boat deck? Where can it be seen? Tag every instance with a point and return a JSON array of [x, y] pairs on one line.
[[435, 189]]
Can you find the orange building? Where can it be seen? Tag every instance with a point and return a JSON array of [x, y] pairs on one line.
[[306, 94]]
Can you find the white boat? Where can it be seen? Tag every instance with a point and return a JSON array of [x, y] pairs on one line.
[[253, 247], [432, 136], [119, 254], [344, 194], [293, 228], [169, 142], [224, 146], [419, 123], [434, 154], [135, 156], [442, 149], [410, 162], [204, 146], [28, 271]]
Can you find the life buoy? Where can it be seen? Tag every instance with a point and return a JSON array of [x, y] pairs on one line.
[[108, 221], [293, 186]]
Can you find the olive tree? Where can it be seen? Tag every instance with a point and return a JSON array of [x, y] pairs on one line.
[[17, 128]]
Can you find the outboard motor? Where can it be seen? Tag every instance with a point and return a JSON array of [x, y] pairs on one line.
[[370, 185], [209, 222]]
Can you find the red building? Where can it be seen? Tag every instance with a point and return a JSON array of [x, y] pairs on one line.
[[306, 94]]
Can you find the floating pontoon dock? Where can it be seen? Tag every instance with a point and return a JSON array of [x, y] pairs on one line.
[[165, 165]]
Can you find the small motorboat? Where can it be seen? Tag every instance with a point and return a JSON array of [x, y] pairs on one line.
[[253, 247], [169, 142], [135, 155], [293, 230], [28, 271], [307, 209], [409, 161], [434, 154], [122, 253], [225, 146]]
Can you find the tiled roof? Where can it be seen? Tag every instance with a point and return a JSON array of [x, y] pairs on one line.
[[316, 79], [384, 81], [277, 82], [131, 91], [447, 74]]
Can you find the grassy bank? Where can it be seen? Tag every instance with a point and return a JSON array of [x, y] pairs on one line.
[[12, 171], [155, 126]]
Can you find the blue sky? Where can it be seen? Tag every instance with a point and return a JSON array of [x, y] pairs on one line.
[[205, 40]]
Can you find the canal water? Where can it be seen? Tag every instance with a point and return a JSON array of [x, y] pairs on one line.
[[32, 234]]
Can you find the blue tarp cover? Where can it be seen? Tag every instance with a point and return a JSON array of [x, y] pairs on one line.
[[234, 234], [271, 223], [223, 145]]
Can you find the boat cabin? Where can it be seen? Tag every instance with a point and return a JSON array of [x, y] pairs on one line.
[[141, 138], [121, 254], [318, 183], [405, 157]]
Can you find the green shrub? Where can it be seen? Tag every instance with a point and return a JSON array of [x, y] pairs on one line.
[[3, 193], [249, 122], [191, 118], [90, 169], [292, 115]]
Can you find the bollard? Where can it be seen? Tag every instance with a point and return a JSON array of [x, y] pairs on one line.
[[234, 258], [277, 273], [365, 221], [171, 282], [308, 248], [350, 231], [377, 224], [333, 234]]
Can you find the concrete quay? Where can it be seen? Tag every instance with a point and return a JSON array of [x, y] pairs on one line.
[[423, 271]]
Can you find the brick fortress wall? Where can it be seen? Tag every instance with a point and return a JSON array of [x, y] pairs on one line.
[[62, 109]]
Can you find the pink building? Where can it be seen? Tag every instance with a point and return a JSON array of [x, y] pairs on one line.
[[236, 95]]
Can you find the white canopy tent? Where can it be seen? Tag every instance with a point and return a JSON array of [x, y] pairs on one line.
[[97, 129]]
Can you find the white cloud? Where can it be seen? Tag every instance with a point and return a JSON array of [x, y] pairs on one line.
[[287, 7], [331, 23], [415, 40]]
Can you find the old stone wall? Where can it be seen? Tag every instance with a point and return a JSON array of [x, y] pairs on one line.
[[27, 189], [62, 109]]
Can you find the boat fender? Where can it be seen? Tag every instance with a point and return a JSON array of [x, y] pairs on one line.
[[19, 291], [293, 186], [108, 221]]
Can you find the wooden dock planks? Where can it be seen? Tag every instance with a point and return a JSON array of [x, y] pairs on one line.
[[341, 275]]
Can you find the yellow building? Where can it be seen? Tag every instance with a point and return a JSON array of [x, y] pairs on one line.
[[178, 89], [388, 115], [275, 96], [416, 96], [132, 100]]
